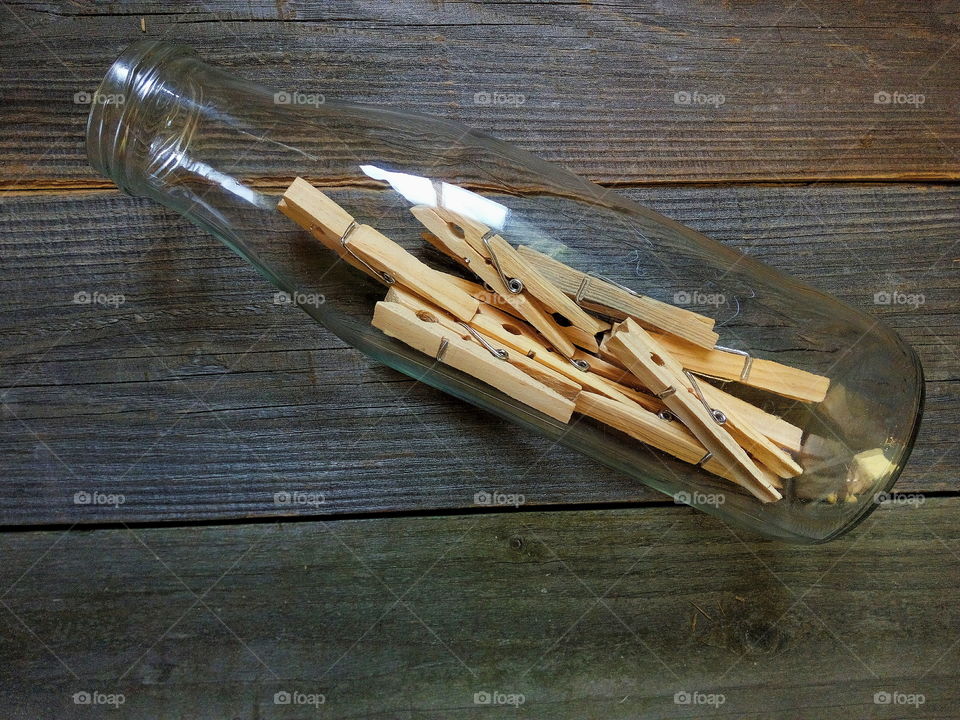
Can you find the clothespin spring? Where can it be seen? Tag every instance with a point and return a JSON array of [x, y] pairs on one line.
[[498, 353], [717, 415], [747, 363], [514, 285], [387, 277], [581, 291]]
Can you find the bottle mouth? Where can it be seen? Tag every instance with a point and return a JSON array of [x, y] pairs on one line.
[[130, 78]]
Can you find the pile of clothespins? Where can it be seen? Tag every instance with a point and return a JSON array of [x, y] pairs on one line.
[[564, 341]]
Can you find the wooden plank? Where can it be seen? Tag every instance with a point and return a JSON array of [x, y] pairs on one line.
[[221, 396], [622, 94], [412, 617]]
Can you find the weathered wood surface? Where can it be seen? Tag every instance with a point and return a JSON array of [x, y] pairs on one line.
[[198, 397], [588, 614], [599, 79]]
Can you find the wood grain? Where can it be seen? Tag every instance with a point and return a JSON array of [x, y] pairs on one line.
[[198, 397], [600, 614], [600, 81]]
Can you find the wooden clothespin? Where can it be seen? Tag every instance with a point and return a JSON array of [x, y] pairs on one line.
[[514, 334], [450, 237], [663, 376], [741, 424], [739, 366], [763, 450], [615, 301], [517, 274], [369, 250], [781, 433], [751, 439], [649, 428], [485, 364], [784, 435], [426, 311], [578, 337]]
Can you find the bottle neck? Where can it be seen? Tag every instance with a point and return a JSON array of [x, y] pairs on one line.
[[137, 120], [168, 126]]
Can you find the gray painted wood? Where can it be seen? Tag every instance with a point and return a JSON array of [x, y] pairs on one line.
[[198, 398], [599, 79], [599, 614]]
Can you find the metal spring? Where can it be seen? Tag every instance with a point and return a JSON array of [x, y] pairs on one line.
[[513, 285], [498, 353], [387, 277]]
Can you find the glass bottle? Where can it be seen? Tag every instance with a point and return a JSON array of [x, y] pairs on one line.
[[220, 150]]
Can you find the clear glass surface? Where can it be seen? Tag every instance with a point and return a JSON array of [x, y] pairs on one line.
[[220, 150]]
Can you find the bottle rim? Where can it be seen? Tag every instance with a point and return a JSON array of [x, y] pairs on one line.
[[129, 78]]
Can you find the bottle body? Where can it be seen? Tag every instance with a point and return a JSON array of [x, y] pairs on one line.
[[221, 151]]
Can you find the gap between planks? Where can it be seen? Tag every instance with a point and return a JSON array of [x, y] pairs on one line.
[[16, 188]]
